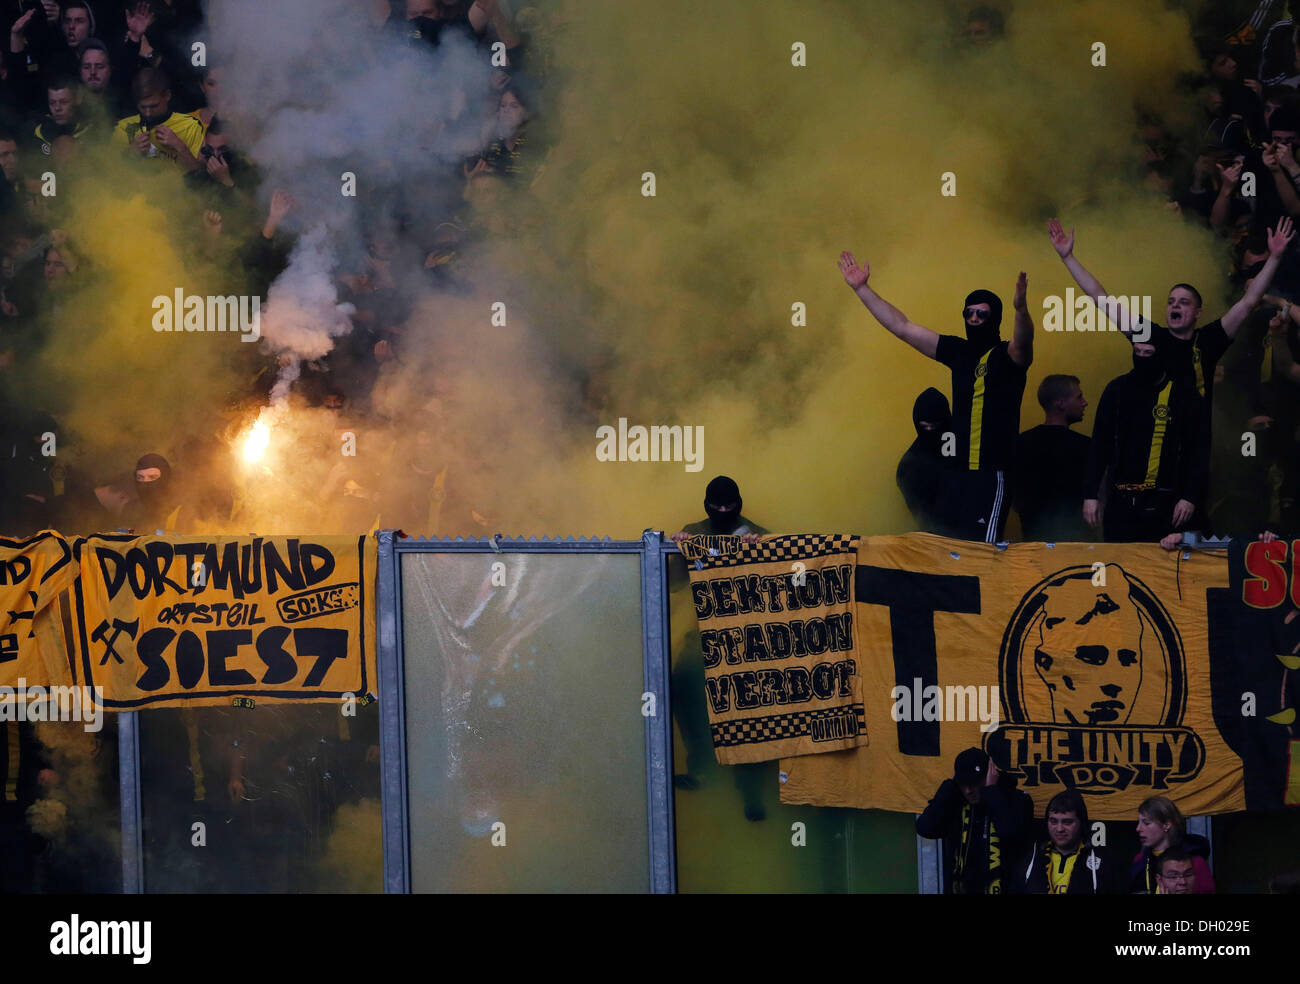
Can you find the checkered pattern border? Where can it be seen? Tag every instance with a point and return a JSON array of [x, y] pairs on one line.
[[796, 546], [777, 727]]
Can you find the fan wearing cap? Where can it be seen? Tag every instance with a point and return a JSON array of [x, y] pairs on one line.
[[988, 381], [983, 820]]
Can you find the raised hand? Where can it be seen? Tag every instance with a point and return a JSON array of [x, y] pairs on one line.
[[138, 20], [1230, 174], [21, 23], [1269, 156], [855, 276], [1062, 241], [1022, 285], [281, 204], [1279, 238]]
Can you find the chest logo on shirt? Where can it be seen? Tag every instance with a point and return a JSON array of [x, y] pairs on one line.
[[1161, 411], [981, 369], [1094, 688]]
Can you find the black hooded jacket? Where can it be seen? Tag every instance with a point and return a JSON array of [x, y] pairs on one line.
[[1095, 873], [1010, 811], [922, 469]]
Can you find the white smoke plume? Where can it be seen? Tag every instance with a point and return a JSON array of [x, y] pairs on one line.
[[320, 113], [303, 315]]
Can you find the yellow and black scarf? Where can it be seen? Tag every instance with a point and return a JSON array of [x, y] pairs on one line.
[[962, 861]]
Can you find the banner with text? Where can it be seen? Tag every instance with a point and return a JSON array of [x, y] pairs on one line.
[[1075, 665], [1265, 666], [33, 573], [779, 643], [167, 621]]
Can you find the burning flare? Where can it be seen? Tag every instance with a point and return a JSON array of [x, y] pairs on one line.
[[256, 442]]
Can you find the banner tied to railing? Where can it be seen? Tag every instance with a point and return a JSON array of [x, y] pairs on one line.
[[33, 572], [780, 646], [191, 621], [1105, 668]]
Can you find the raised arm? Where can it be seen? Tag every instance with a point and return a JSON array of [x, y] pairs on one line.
[[1063, 243], [1021, 348], [1277, 242], [1221, 212], [922, 339]]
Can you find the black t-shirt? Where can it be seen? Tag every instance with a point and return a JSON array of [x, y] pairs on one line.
[[1194, 358], [1051, 463], [996, 402]]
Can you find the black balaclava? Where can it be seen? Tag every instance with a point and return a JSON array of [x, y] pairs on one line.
[[984, 335], [156, 490], [932, 407], [1148, 368], [722, 491]]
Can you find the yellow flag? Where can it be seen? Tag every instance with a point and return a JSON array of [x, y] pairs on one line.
[[33, 572], [192, 621], [779, 644], [1082, 666]]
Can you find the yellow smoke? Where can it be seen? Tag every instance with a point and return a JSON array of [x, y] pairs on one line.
[[677, 308], [354, 859], [119, 388], [765, 171], [73, 810]]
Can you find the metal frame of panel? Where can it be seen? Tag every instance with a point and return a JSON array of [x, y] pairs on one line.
[[655, 661], [128, 774]]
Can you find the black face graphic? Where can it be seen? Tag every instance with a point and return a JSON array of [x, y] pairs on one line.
[[1089, 649], [1094, 684]]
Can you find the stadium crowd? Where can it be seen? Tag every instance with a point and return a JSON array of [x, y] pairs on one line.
[[110, 90], [1201, 435], [101, 85], [88, 80]]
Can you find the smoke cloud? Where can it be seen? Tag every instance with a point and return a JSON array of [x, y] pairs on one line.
[[576, 299]]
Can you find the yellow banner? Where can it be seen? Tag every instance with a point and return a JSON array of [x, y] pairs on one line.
[[780, 647], [1078, 665], [167, 621], [33, 572]]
